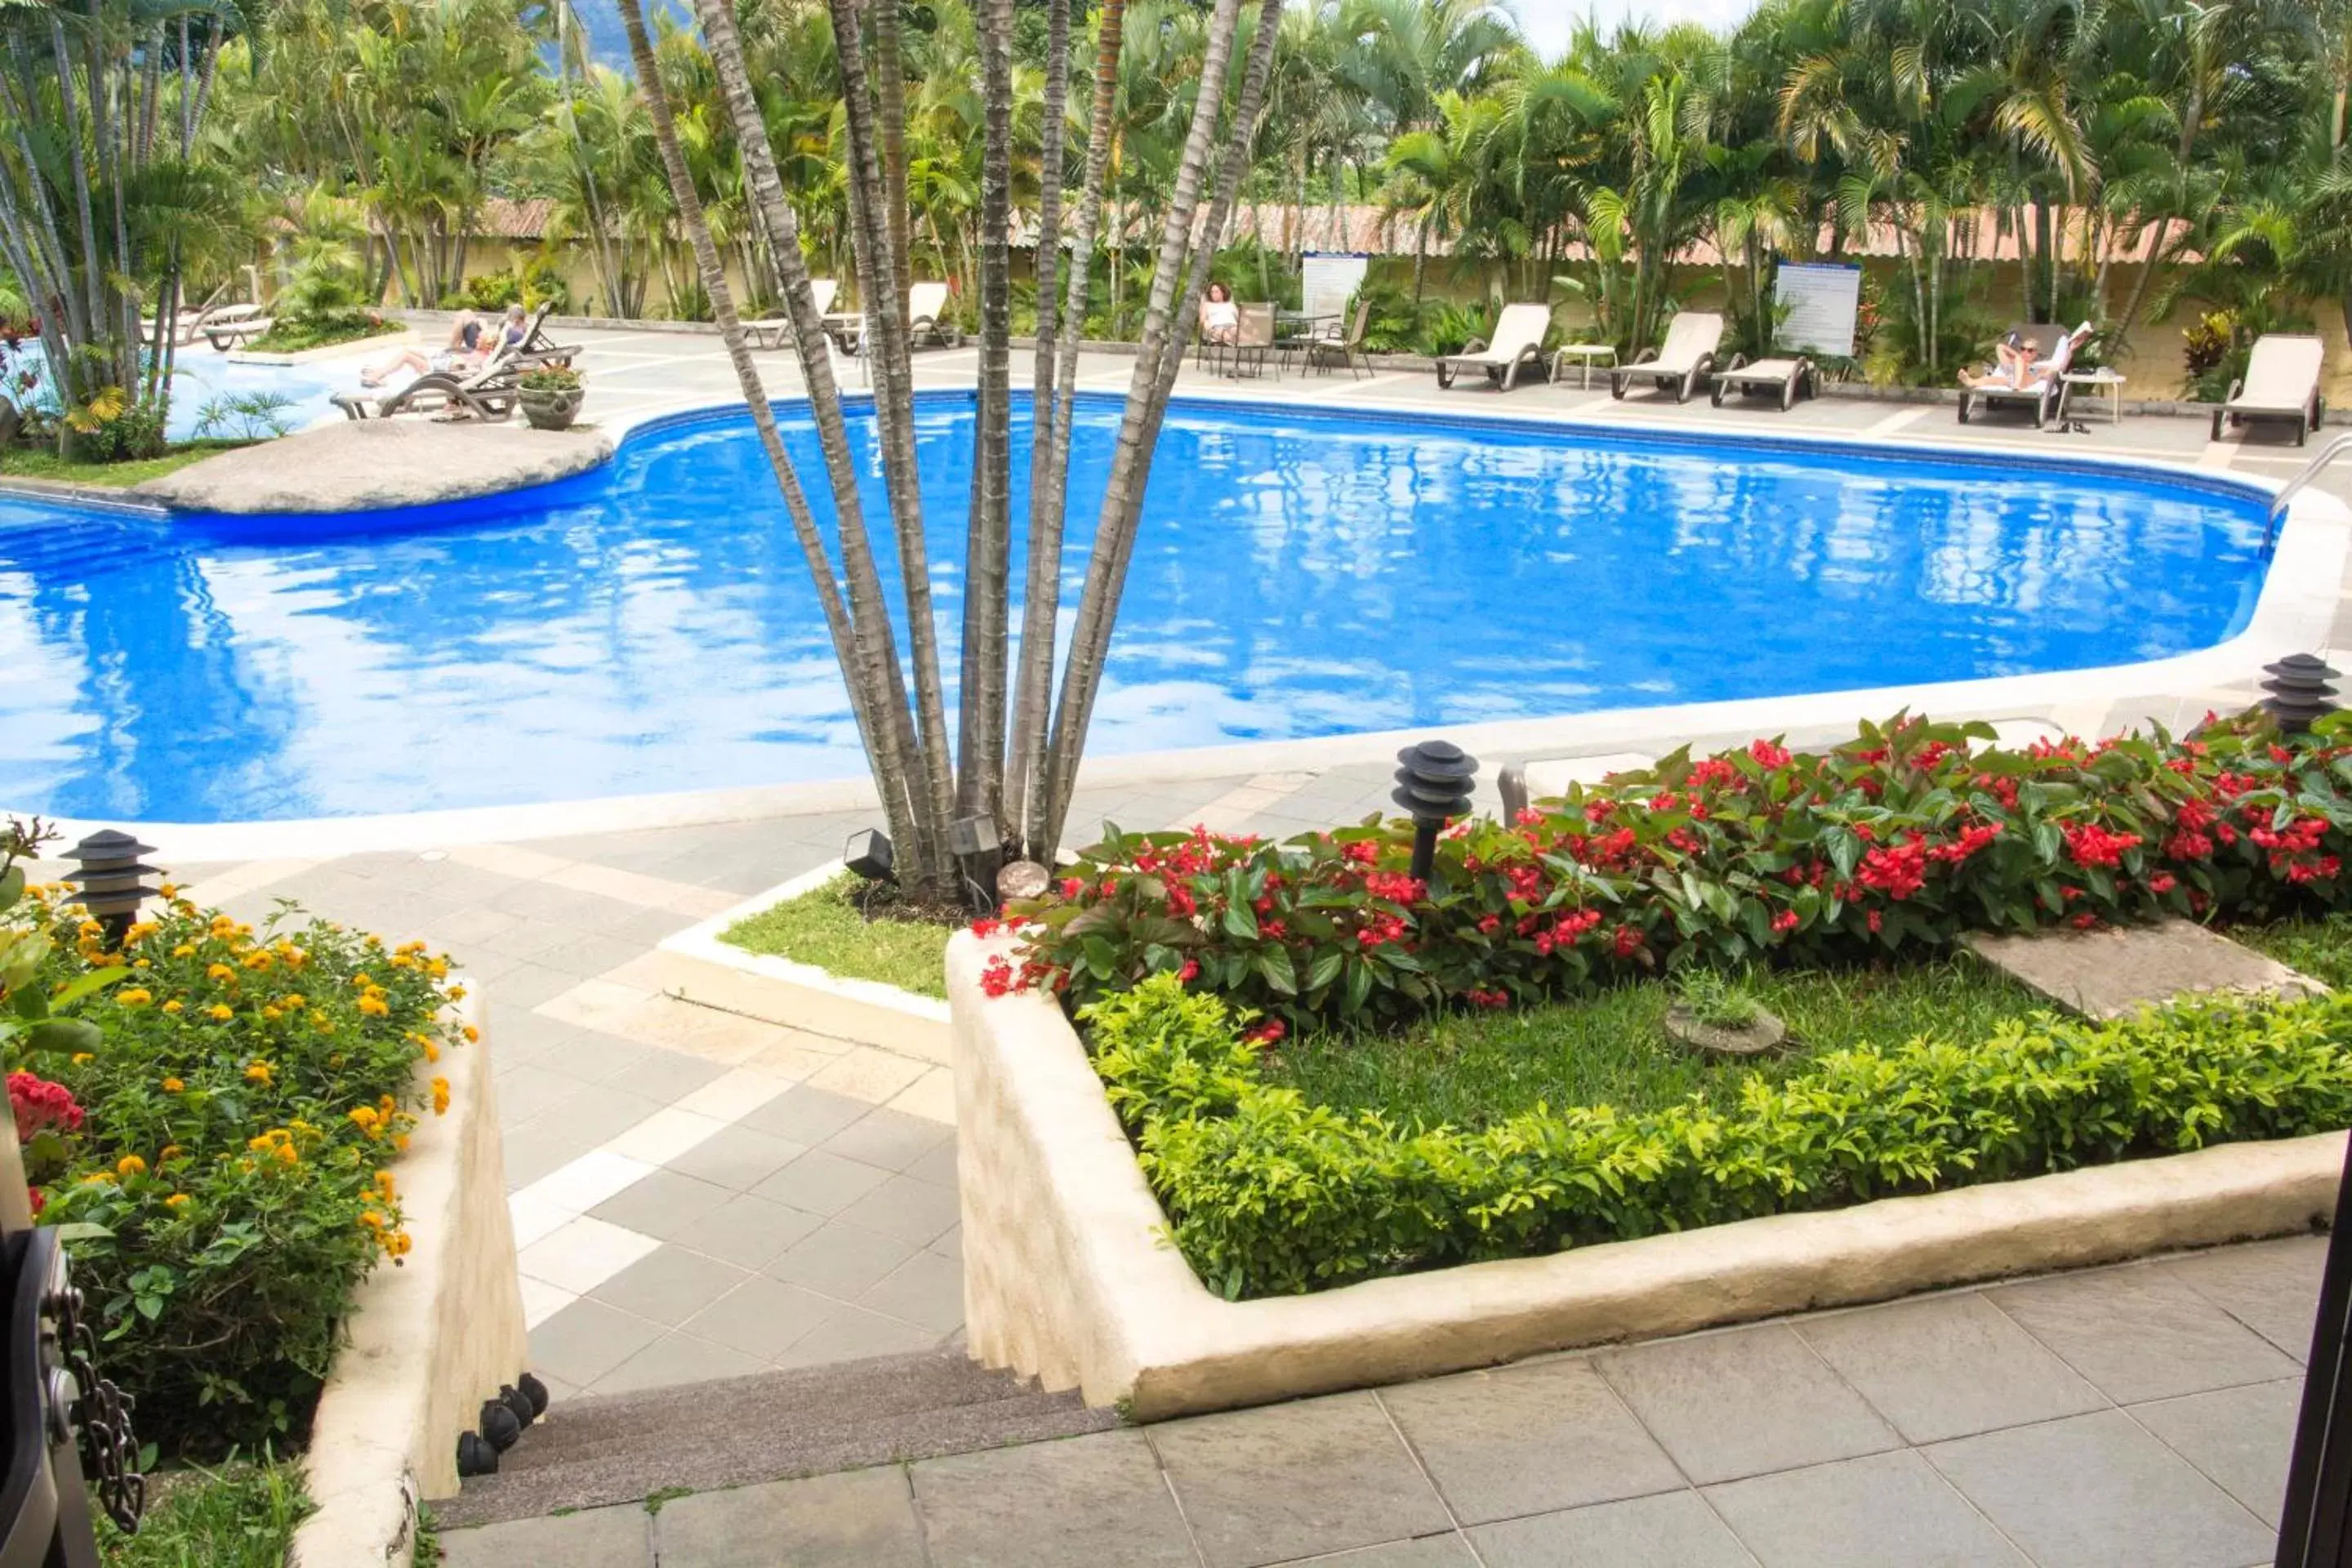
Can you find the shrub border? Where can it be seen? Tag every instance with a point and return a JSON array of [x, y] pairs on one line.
[[1068, 1275]]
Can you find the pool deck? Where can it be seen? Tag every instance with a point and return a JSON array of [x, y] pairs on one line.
[[700, 1195]]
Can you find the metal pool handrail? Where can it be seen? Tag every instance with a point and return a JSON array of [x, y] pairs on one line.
[[2307, 473]]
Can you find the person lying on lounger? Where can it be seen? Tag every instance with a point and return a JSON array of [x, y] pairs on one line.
[[464, 353], [2013, 357]]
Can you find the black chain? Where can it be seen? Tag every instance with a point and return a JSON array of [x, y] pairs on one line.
[[103, 1412]]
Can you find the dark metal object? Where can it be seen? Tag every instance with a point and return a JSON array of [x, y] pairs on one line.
[[108, 879], [534, 1391], [867, 853], [515, 1400], [2315, 1524], [499, 1427], [1433, 784], [475, 1457], [974, 835], [2299, 691], [57, 1404]]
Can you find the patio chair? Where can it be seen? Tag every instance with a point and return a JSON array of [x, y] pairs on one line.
[[2044, 389], [1518, 342], [488, 393], [1790, 376], [229, 325], [1679, 364], [926, 307], [1252, 340], [1348, 350], [539, 347], [2281, 382], [774, 332]]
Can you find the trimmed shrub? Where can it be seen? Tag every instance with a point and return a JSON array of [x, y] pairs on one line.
[[216, 1157], [1269, 1195], [1908, 836]]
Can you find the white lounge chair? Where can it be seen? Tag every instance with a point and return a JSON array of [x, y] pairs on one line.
[[1680, 363], [927, 304], [1791, 377], [2044, 387], [229, 325], [1517, 343], [774, 332], [2281, 382]]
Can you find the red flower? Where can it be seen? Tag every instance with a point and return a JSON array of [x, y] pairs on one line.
[[1768, 754], [2162, 882], [1626, 941], [1267, 1033], [985, 926], [997, 978], [1072, 887], [1786, 920], [1190, 973], [1877, 917], [2088, 844], [40, 1104], [1363, 851]]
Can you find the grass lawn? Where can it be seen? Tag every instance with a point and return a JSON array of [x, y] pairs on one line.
[[241, 1516], [1611, 1047], [827, 928], [21, 463], [2320, 946], [293, 337]]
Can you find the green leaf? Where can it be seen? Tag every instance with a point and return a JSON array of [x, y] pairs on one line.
[[1241, 920], [83, 1230], [1846, 851], [1324, 968], [95, 980], [1274, 962], [62, 1036]]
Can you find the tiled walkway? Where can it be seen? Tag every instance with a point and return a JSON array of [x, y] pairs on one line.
[[2131, 1417]]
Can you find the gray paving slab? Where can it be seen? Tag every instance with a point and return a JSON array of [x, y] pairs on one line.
[[759, 1317], [2140, 1334], [1529, 1439], [2112, 971], [858, 1519], [1744, 1403], [670, 1285], [1072, 1504], [1446, 1551], [585, 1339], [2237, 1437], [915, 1212], [1319, 1475], [822, 1184], [599, 1538], [747, 1232], [1880, 1509], [806, 1115], [662, 1204], [1674, 1528], [925, 1290], [676, 1359], [738, 1158], [855, 1333], [891, 1140], [2272, 1287], [840, 1260], [1947, 1366], [2097, 1492]]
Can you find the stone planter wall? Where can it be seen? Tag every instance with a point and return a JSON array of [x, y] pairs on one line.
[[1068, 1275], [428, 1341]]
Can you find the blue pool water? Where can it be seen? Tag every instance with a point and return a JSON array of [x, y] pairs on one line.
[[203, 378], [651, 627]]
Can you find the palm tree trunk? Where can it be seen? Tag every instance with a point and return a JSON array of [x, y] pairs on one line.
[[93, 302], [980, 747], [871, 723], [1048, 485], [890, 74], [1158, 358], [886, 314]]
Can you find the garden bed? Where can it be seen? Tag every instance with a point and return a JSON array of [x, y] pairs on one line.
[[839, 927], [289, 336]]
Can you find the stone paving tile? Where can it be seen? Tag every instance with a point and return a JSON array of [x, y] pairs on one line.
[[2272, 1287], [599, 1538], [1947, 1366], [739, 1158], [822, 1183], [761, 1318], [2239, 1438], [2097, 1492], [840, 1260], [938, 1166], [746, 1231], [1078, 1503], [1529, 1439], [676, 1358], [2139, 1333], [663, 1204], [915, 1212], [1446, 1551], [1318, 1475], [1744, 1402], [891, 1140], [587, 1339], [805, 1115], [925, 1290], [853, 1334], [595, 1112], [1881, 1509], [670, 1285], [859, 1518], [1674, 1530]]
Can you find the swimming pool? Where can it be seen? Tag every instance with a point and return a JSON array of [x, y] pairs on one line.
[[650, 627], [200, 378]]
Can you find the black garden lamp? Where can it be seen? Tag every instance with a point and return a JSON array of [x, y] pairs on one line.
[[1433, 786], [109, 877], [2299, 691], [867, 853]]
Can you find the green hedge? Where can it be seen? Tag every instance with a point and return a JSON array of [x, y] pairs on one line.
[[1269, 1195]]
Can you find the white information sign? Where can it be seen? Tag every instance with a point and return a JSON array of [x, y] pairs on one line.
[[1328, 279], [1820, 299]]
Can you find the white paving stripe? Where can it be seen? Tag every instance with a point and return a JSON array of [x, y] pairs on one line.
[[1901, 417]]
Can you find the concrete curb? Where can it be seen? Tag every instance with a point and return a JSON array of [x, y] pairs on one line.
[[1068, 1276], [426, 1341]]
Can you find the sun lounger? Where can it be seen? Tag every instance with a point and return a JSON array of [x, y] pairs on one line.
[[2044, 388], [1790, 378], [230, 325], [2281, 382], [1680, 363], [927, 308], [775, 331], [1517, 343], [488, 392]]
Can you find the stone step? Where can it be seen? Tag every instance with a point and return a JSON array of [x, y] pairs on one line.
[[2115, 972], [588, 1453]]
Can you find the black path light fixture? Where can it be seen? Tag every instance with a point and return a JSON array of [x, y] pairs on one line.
[[1433, 786], [867, 853], [107, 877], [2300, 692]]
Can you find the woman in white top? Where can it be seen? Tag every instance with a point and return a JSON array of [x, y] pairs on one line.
[[1220, 319]]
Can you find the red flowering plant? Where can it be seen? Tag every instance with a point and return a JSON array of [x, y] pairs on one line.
[[1910, 835]]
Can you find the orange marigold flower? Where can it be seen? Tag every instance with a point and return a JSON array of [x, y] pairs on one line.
[[473, 1035], [456, 994], [173, 1086], [219, 971], [185, 950], [130, 1165], [440, 1097], [136, 996], [176, 1201], [83, 1058], [220, 1013], [175, 1005], [383, 1182], [257, 1071], [374, 1006]]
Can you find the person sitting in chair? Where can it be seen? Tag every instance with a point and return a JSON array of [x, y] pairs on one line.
[[1220, 319], [464, 353]]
